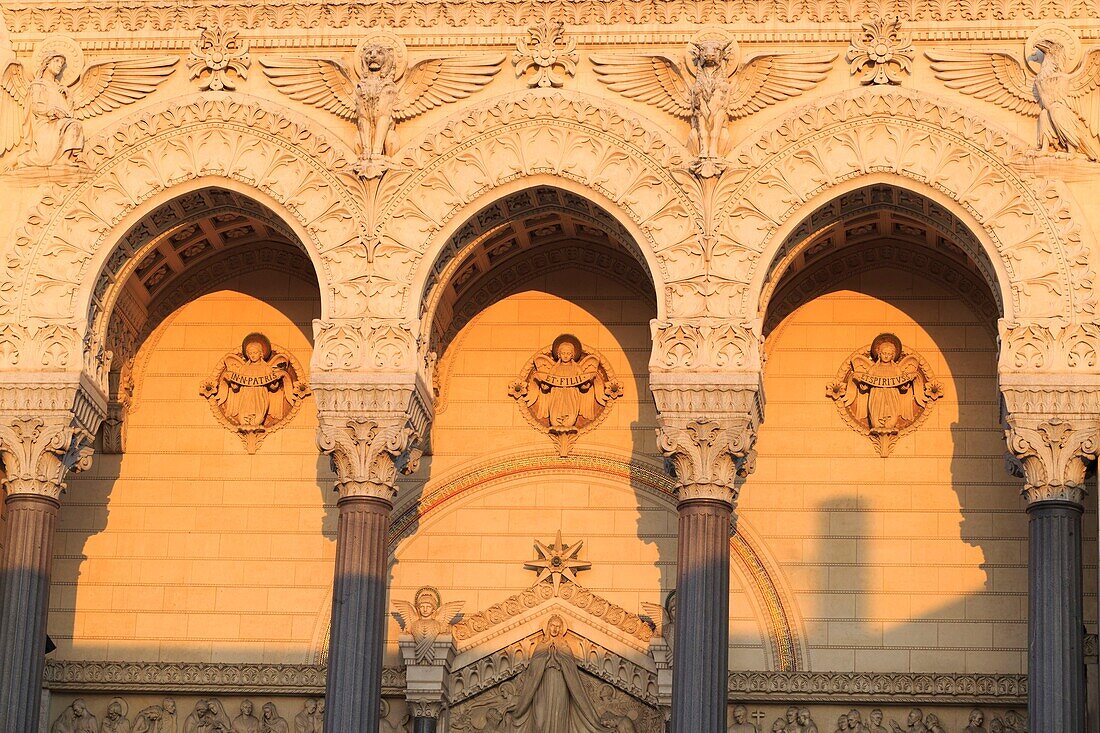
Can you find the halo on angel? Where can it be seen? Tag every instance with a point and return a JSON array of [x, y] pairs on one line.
[[714, 84], [565, 390], [42, 108], [256, 390], [884, 391], [379, 90]]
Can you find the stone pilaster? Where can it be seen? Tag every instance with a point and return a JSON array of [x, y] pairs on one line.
[[370, 425], [46, 428], [705, 377], [426, 689], [1052, 436]]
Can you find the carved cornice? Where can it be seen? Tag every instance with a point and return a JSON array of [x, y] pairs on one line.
[[370, 425], [877, 687]]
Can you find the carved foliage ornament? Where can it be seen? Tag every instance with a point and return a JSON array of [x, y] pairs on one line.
[[565, 390], [381, 91], [58, 92], [881, 53], [1055, 81], [712, 85], [216, 57], [544, 48], [257, 390], [884, 392]]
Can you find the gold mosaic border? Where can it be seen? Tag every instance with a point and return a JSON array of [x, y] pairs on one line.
[[781, 630]]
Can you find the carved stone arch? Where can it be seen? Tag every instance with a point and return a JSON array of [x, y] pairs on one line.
[[542, 137], [252, 147], [1029, 228]]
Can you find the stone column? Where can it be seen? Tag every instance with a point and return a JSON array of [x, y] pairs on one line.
[[426, 680], [37, 453], [369, 442], [1053, 454], [705, 377]]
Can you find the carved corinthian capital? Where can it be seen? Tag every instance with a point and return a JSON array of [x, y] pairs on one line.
[[371, 426], [705, 378], [1053, 455]]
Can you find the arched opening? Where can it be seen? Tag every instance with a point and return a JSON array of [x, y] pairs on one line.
[[881, 471], [201, 532]]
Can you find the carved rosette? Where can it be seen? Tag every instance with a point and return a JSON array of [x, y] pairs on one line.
[[255, 391], [881, 54], [884, 391], [546, 50], [565, 390], [217, 57], [1053, 455]]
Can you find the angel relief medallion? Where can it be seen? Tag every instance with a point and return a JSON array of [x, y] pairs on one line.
[[255, 391], [566, 389], [884, 391]]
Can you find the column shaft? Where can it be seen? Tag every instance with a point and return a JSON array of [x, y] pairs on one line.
[[24, 603], [353, 692], [701, 645], [1056, 663], [424, 725]]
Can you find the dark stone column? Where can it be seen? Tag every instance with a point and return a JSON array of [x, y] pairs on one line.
[[701, 648], [424, 725], [24, 602], [1056, 662], [353, 693]]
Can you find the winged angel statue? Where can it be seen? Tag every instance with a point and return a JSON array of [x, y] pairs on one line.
[[381, 91], [425, 619], [1057, 82], [42, 108], [715, 85]]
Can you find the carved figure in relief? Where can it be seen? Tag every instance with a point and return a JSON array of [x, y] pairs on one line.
[[551, 696], [932, 722], [791, 724], [246, 722], [806, 723], [855, 722], [44, 109], [876, 725], [272, 722], [379, 93], [115, 721], [565, 390], [664, 618], [425, 619], [152, 720], [1063, 92], [975, 723], [716, 86], [76, 718], [169, 723], [256, 390], [883, 391], [914, 723], [842, 724], [741, 722], [319, 717], [306, 720]]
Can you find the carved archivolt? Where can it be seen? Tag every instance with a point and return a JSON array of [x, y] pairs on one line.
[[1030, 226], [579, 143], [70, 234]]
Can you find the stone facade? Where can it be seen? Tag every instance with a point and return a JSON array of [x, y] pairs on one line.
[[549, 366]]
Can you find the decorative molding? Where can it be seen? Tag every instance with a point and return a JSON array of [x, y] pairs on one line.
[[544, 49], [217, 57], [704, 345], [1042, 346], [881, 54], [873, 687]]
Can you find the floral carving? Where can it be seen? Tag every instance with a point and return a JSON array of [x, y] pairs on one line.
[[566, 390], [881, 53], [256, 391], [1054, 454], [218, 56], [884, 391], [544, 49], [38, 454]]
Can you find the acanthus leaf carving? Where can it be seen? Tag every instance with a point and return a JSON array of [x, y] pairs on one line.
[[881, 53], [217, 57], [704, 344], [708, 455], [38, 453], [381, 91], [1054, 454], [366, 453], [1051, 347], [546, 49]]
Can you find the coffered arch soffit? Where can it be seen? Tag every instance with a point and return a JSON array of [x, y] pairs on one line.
[[573, 142], [1029, 228], [242, 145]]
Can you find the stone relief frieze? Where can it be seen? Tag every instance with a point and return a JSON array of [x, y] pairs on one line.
[[257, 390], [881, 53], [566, 390], [1056, 80], [548, 53], [713, 85], [42, 108], [1039, 346], [207, 715], [884, 391], [382, 90], [218, 59]]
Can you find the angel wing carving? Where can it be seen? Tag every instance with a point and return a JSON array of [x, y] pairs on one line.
[[1063, 94], [45, 111], [715, 87], [380, 93]]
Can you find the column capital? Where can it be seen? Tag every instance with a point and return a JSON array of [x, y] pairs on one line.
[[371, 426], [1052, 455]]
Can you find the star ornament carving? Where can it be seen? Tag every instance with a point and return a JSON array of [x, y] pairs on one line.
[[557, 561]]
